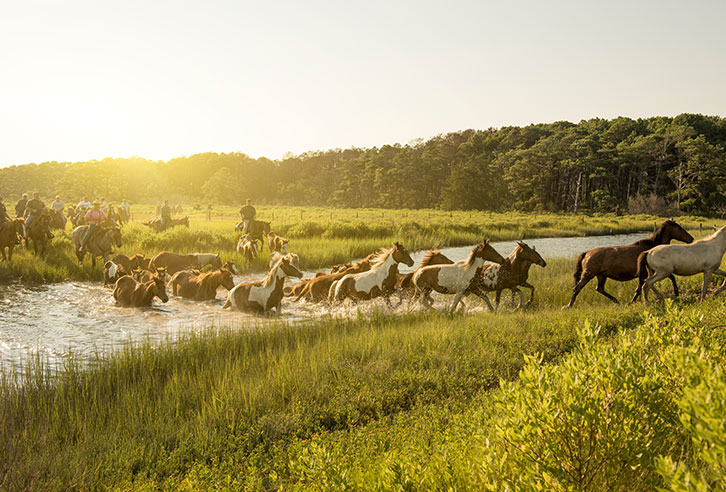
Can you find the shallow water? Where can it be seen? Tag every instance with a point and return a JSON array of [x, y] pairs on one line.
[[81, 318]]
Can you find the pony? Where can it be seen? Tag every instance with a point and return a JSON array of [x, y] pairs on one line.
[[10, 231], [380, 280], [175, 262], [100, 244], [136, 261], [112, 272], [621, 262], [231, 266], [257, 229], [38, 232], [318, 288], [454, 278], [155, 224], [265, 294], [277, 243], [145, 275], [201, 287], [247, 248], [404, 281], [293, 257], [510, 274], [129, 293], [704, 255]]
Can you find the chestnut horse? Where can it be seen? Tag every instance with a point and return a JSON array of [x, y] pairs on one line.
[[136, 261], [379, 281], [317, 289], [277, 243], [201, 287], [266, 294], [10, 231], [100, 244], [404, 281], [130, 293], [141, 275], [621, 262], [455, 278]]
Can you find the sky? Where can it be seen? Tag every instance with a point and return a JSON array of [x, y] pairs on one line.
[[82, 80]]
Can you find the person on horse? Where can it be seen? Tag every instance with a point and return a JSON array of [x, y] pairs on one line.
[[95, 218], [165, 213], [33, 208], [20, 206], [84, 203], [58, 206], [4, 217], [126, 208], [248, 214]]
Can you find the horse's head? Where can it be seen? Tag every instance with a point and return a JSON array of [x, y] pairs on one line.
[[486, 252], [289, 269], [162, 273], [673, 230], [401, 254], [527, 253], [230, 265], [294, 259], [114, 235], [227, 280], [159, 288]]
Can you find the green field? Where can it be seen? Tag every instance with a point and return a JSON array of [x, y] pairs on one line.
[[326, 236]]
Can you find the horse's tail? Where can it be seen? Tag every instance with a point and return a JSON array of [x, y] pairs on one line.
[[287, 291], [578, 267], [303, 291], [642, 272]]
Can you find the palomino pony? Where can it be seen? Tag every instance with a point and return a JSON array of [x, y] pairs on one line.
[[10, 231], [130, 293], [704, 255], [201, 287], [247, 248], [621, 262], [510, 274], [455, 278], [380, 280], [38, 231], [100, 244], [266, 294]]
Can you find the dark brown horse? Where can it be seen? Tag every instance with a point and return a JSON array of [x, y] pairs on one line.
[[174, 262], [130, 293], [56, 220], [38, 231], [201, 287], [10, 232], [621, 262], [258, 230]]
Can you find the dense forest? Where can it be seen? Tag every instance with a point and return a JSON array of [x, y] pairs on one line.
[[677, 163]]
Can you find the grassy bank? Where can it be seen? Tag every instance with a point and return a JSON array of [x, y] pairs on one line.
[[324, 237]]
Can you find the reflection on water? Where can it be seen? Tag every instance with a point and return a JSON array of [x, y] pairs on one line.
[[80, 317]]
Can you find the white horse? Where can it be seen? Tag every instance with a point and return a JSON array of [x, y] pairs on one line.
[[704, 255]]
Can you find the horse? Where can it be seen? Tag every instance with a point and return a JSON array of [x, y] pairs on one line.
[[38, 232], [277, 243], [231, 266], [510, 274], [129, 293], [112, 272], [201, 287], [247, 248], [621, 262], [258, 229], [404, 281], [380, 280], [293, 257], [455, 278], [129, 264], [265, 294], [704, 255], [56, 220], [100, 244], [142, 276], [123, 217], [155, 224], [10, 231], [175, 262], [317, 289], [77, 215]]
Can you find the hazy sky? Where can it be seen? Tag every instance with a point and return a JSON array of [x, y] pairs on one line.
[[159, 79]]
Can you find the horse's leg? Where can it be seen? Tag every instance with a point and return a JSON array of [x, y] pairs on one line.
[[586, 277], [531, 294], [675, 285], [388, 302], [722, 287], [650, 284], [521, 297], [497, 298], [457, 299], [706, 281], [601, 279]]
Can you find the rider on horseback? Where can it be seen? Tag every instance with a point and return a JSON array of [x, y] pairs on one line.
[[165, 213], [94, 217], [248, 214], [4, 217], [32, 209], [58, 206]]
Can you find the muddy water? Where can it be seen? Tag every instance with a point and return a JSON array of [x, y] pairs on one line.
[[81, 318]]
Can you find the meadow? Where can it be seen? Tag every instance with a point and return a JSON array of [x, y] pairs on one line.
[[324, 236]]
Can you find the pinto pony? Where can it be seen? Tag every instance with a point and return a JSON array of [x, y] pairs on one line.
[[10, 231], [130, 293], [247, 248], [266, 294], [455, 278], [201, 287], [277, 243], [112, 272], [380, 280], [293, 257], [621, 262]]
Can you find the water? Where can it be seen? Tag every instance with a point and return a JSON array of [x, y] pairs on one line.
[[81, 318]]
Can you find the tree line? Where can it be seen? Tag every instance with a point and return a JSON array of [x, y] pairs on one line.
[[597, 164]]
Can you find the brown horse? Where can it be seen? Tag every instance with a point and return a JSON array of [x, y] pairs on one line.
[[621, 262], [201, 287], [130, 293], [266, 294], [317, 289], [38, 231], [404, 281], [455, 278], [277, 243], [10, 232], [510, 274], [258, 229], [136, 261], [100, 244], [379, 281], [146, 275], [112, 272]]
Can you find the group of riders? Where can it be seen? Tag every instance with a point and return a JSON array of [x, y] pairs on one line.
[[94, 214]]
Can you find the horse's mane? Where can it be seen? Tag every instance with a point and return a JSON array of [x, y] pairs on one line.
[[380, 257], [470, 258], [429, 256], [270, 279]]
